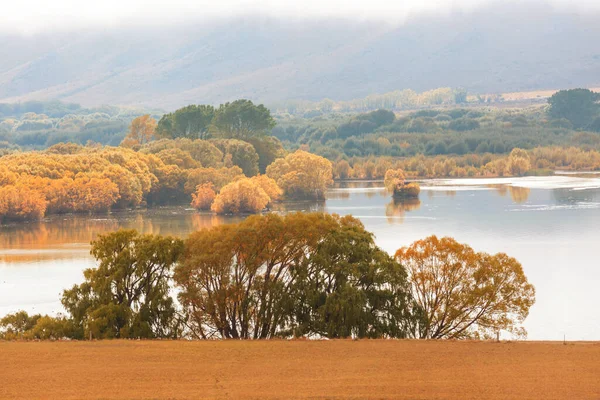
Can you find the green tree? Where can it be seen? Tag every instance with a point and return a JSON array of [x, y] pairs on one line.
[[191, 122], [128, 294], [242, 119], [579, 106], [15, 326], [349, 287], [242, 154], [20, 325], [268, 148]]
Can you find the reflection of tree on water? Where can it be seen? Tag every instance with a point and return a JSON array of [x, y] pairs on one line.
[[569, 196], [396, 209], [502, 189], [61, 230], [338, 194], [519, 194]]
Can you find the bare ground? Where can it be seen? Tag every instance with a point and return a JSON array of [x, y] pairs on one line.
[[369, 369]]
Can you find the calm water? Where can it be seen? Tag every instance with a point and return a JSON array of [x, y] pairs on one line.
[[551, 225]]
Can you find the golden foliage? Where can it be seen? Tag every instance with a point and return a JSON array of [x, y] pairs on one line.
[[141, 131], [219, 177], [74, 179], [21, 203], [395, 183], [394, 180], [465, 294], [269, 186], [302, 175], [239, 197], [518, 163], [395, 209], [204, 196]]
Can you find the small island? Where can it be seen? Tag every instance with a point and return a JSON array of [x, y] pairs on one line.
[[395, 183]]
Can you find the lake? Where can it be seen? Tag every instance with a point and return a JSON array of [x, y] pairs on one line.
[[550, 224]]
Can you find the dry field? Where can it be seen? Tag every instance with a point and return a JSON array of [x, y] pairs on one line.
[[537, 94], [299, 370]]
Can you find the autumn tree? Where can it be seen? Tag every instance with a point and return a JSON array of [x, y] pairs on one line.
[[242, 154], [342, 169], [241, 196], [304, 274], [518, 162], [204, 196], [18, 203], [202, 151], [127, 295], [242, 119], [218, 177], [141, 131], [395, 183], [302, 175], [465, 294], [269, 186]]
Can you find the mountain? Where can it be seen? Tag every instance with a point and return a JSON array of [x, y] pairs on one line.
[[497, 48]]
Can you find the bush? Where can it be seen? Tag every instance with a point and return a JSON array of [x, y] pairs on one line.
[[204, 196], [240, 197]]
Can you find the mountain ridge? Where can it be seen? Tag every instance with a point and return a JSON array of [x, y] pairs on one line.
[[494, 49]]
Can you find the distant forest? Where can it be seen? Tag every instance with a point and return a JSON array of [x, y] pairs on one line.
[[447, 123]]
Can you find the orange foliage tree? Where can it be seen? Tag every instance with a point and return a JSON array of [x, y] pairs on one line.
[[204, 196], [465, 294], [141, 131], [21, 203]]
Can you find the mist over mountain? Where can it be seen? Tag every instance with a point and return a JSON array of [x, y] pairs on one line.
[[492, 49]]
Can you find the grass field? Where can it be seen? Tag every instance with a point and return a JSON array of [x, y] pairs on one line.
[[299, 370]]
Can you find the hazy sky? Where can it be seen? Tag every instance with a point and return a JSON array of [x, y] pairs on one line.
[[39, 15]]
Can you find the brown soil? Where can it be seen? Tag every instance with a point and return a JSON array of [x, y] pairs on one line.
[[299, 369]]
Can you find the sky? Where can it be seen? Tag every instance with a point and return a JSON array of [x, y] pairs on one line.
[[33, 16]]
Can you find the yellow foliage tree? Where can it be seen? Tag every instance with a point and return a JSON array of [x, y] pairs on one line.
[[518, 162], [239, 197], [269, 186], [302, 175], [396, 184]]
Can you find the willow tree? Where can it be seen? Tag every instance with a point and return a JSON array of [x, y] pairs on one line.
[[302, 175], [128, 294], [465, 294], [302, 274]]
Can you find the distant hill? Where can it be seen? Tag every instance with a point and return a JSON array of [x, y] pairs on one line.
[[495, 49]]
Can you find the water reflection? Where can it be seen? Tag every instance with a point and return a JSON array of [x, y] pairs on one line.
[[519, 195], [395, 209], [552, 230], [68, 236]]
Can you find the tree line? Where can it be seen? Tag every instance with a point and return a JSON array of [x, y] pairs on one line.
[[570, 119], [147, 169], [301, 275]]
